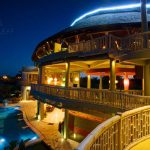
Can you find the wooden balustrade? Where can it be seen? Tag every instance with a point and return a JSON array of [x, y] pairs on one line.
[[119, 132], [111, 42], [134, 92], [110, 98], [90, 45]]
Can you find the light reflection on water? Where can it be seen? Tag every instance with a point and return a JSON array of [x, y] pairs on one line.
[[12, 127]]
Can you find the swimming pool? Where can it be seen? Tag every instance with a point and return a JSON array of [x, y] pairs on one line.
[[13, 127]]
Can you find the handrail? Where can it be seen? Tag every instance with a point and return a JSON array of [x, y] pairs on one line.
[[90, 45], [111, 43], [103, 97], [119, 132], [102, 43], [133, 92], [116, 133]]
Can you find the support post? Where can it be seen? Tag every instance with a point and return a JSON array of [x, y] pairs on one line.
[[147, 78], [23, 91], [88, 81], [112, 74], [38, 109], [41, 79], [66, 124], [67, 81], [143, 84], [42, 111], [78, 82], [100, 83]]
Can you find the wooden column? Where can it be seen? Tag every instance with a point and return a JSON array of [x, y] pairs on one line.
[[88, 81], [66, 124], [112, 74], [41, 111], [147, 79], [100, 83], [41, 79], [38, 109], [78, 85], [67, 81]]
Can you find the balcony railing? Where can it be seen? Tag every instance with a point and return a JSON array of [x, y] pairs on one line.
[[133, 92], [103, 97], [104, 42], [111, 42], [119, 132]]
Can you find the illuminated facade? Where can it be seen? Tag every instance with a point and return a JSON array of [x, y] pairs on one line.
[[29, 76], [103, 42]]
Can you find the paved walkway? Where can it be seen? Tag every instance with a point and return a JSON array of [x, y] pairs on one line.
[[145, 145], [50, 132]]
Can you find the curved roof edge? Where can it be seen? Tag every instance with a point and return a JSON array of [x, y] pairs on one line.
[[107, 10]]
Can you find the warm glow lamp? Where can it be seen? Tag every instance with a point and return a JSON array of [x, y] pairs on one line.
[[126, 84], [76, 79]]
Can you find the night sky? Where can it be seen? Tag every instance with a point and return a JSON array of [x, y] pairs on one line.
[[24, 23]]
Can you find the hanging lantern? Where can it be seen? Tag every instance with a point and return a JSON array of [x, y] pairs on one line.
[[126, 84]]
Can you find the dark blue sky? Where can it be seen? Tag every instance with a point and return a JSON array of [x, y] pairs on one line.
[[24, 23]]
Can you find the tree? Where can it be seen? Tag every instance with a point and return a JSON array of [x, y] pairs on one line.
[[11, 146], [21, 145]]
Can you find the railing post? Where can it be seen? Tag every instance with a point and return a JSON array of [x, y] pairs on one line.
[[120, 131]]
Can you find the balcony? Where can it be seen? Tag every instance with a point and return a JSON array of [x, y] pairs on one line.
[[115, 99], [111, 42], [108, 45], [120, 132]]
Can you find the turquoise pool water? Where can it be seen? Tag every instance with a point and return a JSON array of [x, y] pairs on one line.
[[13, 127]]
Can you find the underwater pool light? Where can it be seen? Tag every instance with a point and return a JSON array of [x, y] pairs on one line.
[[2, 140], [34, 138]]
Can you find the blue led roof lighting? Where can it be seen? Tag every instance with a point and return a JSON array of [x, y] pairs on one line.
[[130, 6]]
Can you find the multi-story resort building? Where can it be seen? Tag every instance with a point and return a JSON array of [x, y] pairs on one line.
[[104, 42], [29, 76]]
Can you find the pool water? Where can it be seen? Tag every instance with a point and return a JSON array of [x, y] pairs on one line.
[[13, 127]]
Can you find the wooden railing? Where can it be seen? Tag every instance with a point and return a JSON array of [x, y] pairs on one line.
[[111, 42], [102, 43], [119, 132], [105, 97], [133, 92]]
